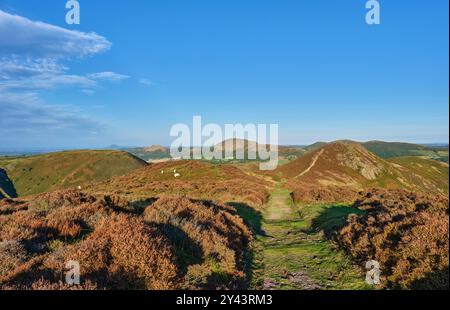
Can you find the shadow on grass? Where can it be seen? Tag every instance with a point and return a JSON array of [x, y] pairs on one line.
[[253, 219], [139, 206], [331, 219], [7, 185], [434, 280]]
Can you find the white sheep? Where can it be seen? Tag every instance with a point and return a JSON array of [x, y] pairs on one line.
[[177, 175]]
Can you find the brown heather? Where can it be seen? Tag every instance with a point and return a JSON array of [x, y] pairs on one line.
[[175, 243], [199, 180], [207, 234], [407, 233], [310, 194]]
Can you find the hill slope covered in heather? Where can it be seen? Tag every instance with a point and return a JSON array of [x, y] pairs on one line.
[[337, 171]]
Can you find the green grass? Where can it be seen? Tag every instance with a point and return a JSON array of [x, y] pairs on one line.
[[148, 156], [396, 149], [37, 174], [425, 173], [296, 239]]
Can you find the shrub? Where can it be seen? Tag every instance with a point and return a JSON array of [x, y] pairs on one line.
[[407, 233], [221, 239], [177, 243], [307, 194]]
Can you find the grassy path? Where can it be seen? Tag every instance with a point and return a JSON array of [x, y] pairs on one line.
[[293, 253]]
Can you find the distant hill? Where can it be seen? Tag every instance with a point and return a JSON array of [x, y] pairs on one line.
[[243, 145], [150, 153], [156, 148], [315, 146], [238, 145], [387, 150], [396, 149], [291, 152], [348, 164], [42, 173]]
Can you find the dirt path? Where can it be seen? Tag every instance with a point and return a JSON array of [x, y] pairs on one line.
[[290, 255], [313, 163]]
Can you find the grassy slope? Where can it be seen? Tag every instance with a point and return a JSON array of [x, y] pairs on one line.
[[315, 146], [292, 241], [396, 149], [424, 173], [144, 154], [42, 173]]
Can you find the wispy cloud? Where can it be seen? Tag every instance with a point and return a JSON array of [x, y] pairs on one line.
[[108, 76], [32, 57], [27, 113], [21, 36], [18, 68], [18, 73]]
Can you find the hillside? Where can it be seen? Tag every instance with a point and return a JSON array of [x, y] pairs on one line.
[[150, 153], [340, 163], [238, 146], [42, 173], [156, 148], [426, 174], [315, 146], [197, 179], [190, 224], [342, 166], [396, 149]]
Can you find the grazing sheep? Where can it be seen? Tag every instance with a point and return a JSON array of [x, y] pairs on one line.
[[177, 175], [79, 187]]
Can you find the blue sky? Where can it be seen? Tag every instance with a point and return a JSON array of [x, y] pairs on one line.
[[132, 69]]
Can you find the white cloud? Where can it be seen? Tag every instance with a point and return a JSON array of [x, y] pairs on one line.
[[21, 36], [18, 73], [31, 60], [31, 55], [18, 68], [108, 76], [27, 113]]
